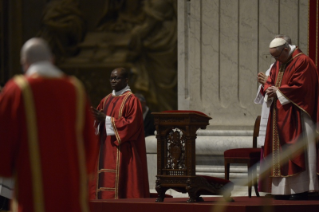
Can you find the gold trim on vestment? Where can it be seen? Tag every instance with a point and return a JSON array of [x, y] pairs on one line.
[[275, 136], [295, 104], [105, 100], [118, 160], [34, 152], [118, 138], [275, 144], [123, 104], [80, 114], [283, 176]]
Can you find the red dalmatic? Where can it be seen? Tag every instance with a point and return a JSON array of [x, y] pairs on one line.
[[47, 143], [297, 80], [122, 168]]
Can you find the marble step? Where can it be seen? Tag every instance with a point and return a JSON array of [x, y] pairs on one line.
[[220, 169], [236, 172]]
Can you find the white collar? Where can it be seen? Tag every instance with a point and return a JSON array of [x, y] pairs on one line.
[[117, 93], [45, 69], [292, 49]]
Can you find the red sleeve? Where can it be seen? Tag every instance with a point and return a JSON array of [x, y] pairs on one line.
[[262, 91], [271, 79], [302, 86], [100, 106], [11, 117], [130, 125]]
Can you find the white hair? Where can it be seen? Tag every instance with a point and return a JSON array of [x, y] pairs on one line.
[[35, 50], [285, 37]]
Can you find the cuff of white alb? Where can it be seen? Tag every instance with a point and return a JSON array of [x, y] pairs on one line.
[[97, 127], [282, 99], [108, 126]]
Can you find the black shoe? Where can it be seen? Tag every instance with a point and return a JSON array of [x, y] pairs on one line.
[[281, 197], [299, 196]]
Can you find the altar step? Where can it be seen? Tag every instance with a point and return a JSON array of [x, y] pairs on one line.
[[240, 204], [236, 171]]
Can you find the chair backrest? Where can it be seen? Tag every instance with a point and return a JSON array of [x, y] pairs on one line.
[[256, 131]]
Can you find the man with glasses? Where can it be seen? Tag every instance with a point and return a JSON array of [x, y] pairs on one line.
[[293, 88], [122, 165], [262, 78]]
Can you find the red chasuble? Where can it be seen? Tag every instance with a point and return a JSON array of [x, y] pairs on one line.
[[122, 168], [297, 80], [47, 143]]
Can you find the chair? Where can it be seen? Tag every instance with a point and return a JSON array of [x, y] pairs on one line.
[[248, 156]]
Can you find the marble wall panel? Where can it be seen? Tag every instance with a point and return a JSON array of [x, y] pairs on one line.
[[303, 26], [268, 25], [195, 54], [248, 48], [289, 19], [228, 70], [182, 54], [210, 56]]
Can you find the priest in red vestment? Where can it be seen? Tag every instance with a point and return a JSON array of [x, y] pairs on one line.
[[47, 140], [122, 165], [294, 89]]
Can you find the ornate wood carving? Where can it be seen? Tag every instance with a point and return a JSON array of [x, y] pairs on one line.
[[176, 135]]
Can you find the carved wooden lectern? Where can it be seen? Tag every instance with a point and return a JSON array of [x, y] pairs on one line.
[[176, 158]]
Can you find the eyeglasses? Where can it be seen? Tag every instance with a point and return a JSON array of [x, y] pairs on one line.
[[276, 57], [116, 79]]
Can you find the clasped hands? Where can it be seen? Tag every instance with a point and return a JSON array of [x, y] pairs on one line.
[[98, 114], [262, 79], [271, 91]]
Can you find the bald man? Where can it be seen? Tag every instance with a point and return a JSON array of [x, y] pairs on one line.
[[47, 137], [293, 89]]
